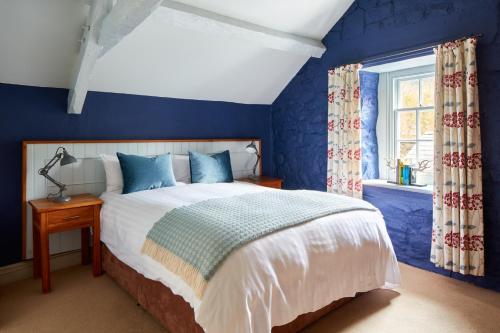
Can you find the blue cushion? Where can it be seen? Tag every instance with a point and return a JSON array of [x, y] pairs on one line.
[[146, 173], [209, 169]]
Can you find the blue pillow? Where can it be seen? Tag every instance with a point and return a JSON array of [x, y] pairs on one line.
[[210, 169], [146, 173]]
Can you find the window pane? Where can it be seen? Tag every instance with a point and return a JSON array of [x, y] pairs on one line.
[[408, 94], [426, 152], [407, 151], [427, 91], [426, 125], [407, 125]]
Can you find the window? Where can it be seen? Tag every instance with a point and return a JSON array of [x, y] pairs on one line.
[[413, 114], [405, 119]]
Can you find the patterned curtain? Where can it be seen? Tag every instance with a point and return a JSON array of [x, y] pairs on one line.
[[457, 232], [344, 131]]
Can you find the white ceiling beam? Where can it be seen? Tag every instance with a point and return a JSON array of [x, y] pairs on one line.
[[123, 19], [194, 18], [106, 26], [89, 52]]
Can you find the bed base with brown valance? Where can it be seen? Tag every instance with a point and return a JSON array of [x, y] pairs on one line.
[[173, 312]]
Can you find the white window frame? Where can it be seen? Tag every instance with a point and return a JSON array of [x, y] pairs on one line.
[[386, 123], [397, 111]]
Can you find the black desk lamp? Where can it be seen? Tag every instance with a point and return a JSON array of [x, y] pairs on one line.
[[65, 159], [252, 149]]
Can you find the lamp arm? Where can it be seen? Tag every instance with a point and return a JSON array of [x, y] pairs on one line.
[[50, 164], [45, 170], [61, 186], [256, 163], [57, 157]]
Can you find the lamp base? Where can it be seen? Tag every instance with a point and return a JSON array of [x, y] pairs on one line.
[[61, 198]]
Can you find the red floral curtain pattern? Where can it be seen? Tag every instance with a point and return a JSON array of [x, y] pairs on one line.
[[344, 131], [457, 232]]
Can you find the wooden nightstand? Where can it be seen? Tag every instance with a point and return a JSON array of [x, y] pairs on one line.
[[264, 181], [82, 212]]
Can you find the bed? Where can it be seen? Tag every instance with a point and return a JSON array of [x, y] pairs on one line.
[[265, 284], [280, 283]]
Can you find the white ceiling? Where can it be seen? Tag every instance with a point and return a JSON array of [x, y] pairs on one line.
[[301, 17], [39, 41], [39, 46]]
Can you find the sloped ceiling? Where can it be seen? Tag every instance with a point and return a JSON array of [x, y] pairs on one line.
[[39, 43], [300, 17]]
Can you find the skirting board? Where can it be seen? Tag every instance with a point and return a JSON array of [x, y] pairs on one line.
[[24, 269]]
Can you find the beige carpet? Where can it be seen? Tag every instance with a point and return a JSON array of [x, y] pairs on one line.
[[80, 303]]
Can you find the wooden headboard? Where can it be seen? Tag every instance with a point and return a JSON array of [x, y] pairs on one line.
[[87, 175]]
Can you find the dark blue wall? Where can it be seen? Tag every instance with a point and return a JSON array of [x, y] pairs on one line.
[[31, 113], [369, 115], [408, 216], [374, 27]]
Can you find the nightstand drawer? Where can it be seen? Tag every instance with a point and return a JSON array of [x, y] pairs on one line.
[[71, 215]]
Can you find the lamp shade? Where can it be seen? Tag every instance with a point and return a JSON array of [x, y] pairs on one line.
[[67, 158], [252, 148]]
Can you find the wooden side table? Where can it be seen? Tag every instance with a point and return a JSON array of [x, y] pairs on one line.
[[82, 212], [264, 181]]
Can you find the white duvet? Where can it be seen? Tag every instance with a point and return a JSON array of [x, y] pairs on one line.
[[270, 281]]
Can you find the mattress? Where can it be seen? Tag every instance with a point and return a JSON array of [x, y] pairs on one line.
[[270, 281]]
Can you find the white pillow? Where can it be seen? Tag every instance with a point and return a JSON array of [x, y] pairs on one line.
[[182, 171], [114, 177]]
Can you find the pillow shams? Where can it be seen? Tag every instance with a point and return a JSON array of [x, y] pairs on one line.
[[146, 173], [181, 168], [113, 171], [215, 168]]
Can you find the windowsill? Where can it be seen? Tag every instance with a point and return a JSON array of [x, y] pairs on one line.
[[383, 183]]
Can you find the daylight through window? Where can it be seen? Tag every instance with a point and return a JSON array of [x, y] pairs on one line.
[[414, 120]]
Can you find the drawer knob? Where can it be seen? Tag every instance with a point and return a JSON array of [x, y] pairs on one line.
[[71, 218]]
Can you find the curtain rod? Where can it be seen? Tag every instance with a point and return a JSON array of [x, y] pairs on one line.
[[411, 50]]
